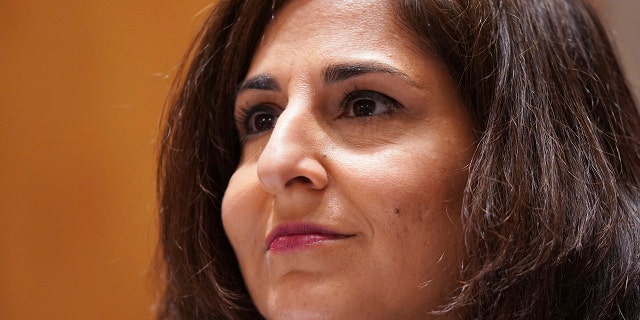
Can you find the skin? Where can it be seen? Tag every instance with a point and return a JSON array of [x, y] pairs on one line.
[[392, 178]]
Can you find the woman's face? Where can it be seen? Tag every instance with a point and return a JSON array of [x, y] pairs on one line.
[[346, 201]]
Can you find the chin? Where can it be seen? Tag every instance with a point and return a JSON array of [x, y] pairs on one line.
[[299, 297], [323, 300]]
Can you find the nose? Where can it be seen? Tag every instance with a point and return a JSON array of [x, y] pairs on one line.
[[292, 155]]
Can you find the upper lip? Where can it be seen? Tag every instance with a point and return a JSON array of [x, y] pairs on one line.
[[292, 229]]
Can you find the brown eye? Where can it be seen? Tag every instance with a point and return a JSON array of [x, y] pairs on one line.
[[260, 119], [364, 108], [362, 104]]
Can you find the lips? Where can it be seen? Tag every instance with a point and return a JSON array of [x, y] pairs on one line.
[[290, 237]]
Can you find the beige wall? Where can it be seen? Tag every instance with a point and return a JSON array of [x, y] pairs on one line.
[[81, 88], [622, 20]]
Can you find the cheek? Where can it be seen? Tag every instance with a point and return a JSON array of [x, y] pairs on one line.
[[417, 206], [402, 181], [241, 212], [411, 204], [411, 209]]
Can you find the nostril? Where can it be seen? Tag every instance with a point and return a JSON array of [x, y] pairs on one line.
[[299, 179]]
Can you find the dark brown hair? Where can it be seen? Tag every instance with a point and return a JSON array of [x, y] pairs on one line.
[[551, 211]]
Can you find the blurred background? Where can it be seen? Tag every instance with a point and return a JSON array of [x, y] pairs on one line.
[[82, 86]]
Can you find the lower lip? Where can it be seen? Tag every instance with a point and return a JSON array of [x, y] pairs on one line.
[[300, 241]]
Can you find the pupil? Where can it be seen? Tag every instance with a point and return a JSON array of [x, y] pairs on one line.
[[364, 108], [263, 122]]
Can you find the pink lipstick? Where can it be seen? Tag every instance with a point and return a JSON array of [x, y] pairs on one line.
[[289, 237]]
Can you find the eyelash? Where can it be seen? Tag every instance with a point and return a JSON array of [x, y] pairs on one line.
[[357, 94], [247, 112]]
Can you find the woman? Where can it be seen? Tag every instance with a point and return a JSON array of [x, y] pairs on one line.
[[401, 160]]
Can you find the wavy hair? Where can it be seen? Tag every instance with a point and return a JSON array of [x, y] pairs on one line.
[[551, 212]]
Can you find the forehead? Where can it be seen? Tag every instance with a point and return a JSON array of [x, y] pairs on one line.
[[317, 13], [323, 29]]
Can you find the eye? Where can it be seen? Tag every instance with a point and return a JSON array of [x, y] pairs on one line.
[[258, 119], [365, 103]]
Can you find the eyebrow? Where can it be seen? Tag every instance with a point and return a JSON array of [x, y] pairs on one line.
[[332, 74], [259, 82], [340, 72]]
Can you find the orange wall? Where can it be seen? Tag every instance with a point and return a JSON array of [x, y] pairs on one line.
[[81, 89], [82, 85]]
